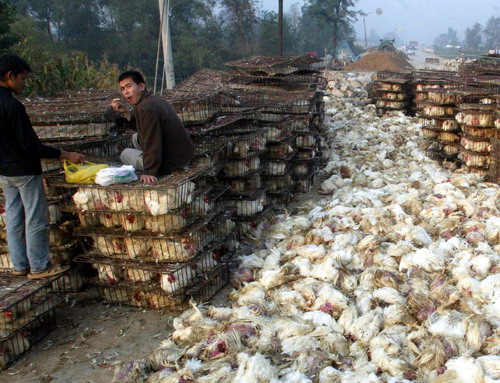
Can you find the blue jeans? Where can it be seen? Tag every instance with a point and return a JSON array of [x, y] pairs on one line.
[[27, 216]]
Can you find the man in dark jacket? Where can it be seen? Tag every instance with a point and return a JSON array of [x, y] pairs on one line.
[[162, 144], [26, 206]]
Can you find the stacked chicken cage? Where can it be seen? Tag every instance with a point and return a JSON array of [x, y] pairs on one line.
[[393, 93], [477, 114], [154, 246], [436, 108], [27, 314], [423, 81], [79, 122], [63, 247], [287, 92]]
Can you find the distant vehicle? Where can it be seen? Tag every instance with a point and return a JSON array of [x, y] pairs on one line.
[[409, 51], [413, 44], [431, 60], [387, 45]]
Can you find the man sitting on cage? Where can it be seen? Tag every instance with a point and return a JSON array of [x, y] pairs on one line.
[[26, 207], [161, 145]]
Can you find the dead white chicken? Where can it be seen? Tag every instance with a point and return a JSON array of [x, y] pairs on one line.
[[490, 365], [165, 356], [388, 295], [330, 375], [254, 369], [425, 258], [464, 369], [224, 374], [365, 327], [386, 352]]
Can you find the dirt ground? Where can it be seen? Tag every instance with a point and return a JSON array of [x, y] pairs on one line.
[[92, 338]]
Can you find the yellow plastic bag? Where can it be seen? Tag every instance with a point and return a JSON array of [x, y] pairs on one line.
[[81, 173]]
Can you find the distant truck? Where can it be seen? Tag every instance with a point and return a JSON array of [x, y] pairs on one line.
[[387, 45], [413, 44]]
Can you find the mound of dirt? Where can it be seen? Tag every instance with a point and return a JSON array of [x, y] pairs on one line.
[[380, 61]]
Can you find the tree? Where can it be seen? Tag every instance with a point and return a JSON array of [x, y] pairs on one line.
[[7, 18], [42, 11], [444, 40], [268, 31], [473, 37], [337, 15], [239, 19], [492, 33]]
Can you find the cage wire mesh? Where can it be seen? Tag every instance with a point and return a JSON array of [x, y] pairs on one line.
[[26, 313], [20, 341], [272, 65], [194, 107], [144, 295], [168, 247]]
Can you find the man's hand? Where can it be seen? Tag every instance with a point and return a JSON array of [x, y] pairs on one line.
[[72, 157], [119, 107], [149, 180]]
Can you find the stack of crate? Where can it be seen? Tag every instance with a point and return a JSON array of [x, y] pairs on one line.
[[287, 92], [27, 314], [83, 122], [425, 80], [439, 124], [154, 246], [393, 93], [436, 110], [476, 115]]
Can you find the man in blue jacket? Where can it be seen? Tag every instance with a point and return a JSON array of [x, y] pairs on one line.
[[26, 206]]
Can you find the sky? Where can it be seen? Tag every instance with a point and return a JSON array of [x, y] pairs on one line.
[[421, 20]]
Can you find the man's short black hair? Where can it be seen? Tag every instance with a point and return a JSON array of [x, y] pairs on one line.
[[14, 64], [134, 75]]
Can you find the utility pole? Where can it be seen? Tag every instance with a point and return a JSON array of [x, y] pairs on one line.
[[166, 43], [280, 28]]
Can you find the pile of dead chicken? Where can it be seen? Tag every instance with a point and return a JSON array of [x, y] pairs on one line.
[[391, 277]]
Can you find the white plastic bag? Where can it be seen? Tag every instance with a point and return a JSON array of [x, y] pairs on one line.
[[113, 175]]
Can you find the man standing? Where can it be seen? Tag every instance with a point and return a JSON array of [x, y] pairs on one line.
[[161, 144], [21, 177]]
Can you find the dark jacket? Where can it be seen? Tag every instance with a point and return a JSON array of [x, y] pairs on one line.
[[162, 136], [20, 147]]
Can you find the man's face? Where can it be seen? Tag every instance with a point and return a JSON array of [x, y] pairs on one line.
[[16, 83], [131, 91]]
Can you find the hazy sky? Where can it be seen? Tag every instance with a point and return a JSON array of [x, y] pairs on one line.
[[420, 20]]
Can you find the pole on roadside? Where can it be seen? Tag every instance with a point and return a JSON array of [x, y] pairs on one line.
[[167, 43], [280, 28], [364, 24]]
